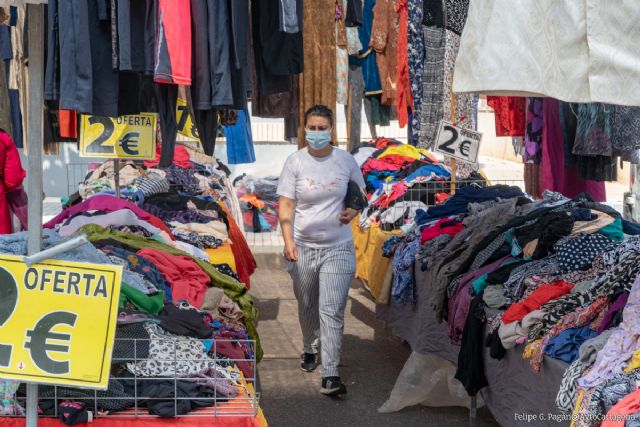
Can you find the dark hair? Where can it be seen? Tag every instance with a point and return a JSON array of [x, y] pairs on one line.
[[319, 110]]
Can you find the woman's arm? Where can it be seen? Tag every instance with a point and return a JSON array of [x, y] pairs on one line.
[[286, 212]]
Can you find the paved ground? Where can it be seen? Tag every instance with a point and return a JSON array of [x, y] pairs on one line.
[[372, 359]]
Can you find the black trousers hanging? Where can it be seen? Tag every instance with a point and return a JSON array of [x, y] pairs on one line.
[[166, 99]]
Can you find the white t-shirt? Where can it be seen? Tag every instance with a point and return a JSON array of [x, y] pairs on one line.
[[319, 186]]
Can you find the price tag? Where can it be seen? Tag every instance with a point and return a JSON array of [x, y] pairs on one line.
[[462, 144], [124, 137], [58, 321], [186, 126]]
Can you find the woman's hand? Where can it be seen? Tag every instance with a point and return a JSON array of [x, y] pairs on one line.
[[290, 252], [347, 215]]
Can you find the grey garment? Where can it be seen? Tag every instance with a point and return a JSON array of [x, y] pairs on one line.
[[583, 286], [494, 297], [288, 16], [201, 70], [433, 85], [590, 348], [321, 281], [105, 81], [463, 246], [76, 89], [131, 36], [52, 72], [633, 420], [150, 31], [356, 86], [219, 53], [90, 85]]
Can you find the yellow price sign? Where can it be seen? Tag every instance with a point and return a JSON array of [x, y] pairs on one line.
[[124, 137], [58, 321], [186, 126]]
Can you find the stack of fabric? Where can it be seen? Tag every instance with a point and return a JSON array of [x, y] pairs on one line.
[[193, 197], [258, 201], [184, 295], [555, 280], [400, 179]]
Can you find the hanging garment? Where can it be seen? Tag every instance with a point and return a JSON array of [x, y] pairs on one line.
[[578, 61], [433, 75], [416, 56], [90, 85], [367, 56], [342, 57], [510, 114], [319, 42], [384, 40], [239, 140], [460, 108], [173, 43], [554, 176], [404, 103]]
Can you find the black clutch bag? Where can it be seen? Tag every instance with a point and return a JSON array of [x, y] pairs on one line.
[[355, 199]]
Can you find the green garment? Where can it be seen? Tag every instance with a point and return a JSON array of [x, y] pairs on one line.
[[232, 288], [146, 303], [613, 230]]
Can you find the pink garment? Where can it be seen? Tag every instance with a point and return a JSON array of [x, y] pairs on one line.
[[429, 233], [554, 175], [98, 203]]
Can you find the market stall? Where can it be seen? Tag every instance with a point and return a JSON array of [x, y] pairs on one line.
[[186, 320], [186, 345]]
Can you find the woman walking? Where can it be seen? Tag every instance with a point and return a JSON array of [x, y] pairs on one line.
[[319, 252]]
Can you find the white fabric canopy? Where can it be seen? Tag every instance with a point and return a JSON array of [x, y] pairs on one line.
[[572, 50]]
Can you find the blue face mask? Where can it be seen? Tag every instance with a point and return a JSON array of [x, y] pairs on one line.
[[318, 139]]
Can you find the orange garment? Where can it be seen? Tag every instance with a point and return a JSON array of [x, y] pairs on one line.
[[68, 123], [404, 102], [253, 200], [244, 260], [384, 40], [629, 405]]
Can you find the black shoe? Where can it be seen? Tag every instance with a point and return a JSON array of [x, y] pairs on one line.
[[309, 362], [332, 386]]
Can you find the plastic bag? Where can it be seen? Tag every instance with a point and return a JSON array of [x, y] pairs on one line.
[[427, 380]]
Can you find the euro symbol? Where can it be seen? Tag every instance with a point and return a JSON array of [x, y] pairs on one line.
[[8, 301], [41, 341], [465, 147], [129, 143]]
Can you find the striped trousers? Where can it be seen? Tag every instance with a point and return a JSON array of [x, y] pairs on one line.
[[321, 281]]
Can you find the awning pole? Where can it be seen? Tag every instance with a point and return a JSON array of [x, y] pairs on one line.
[[35, 21]]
